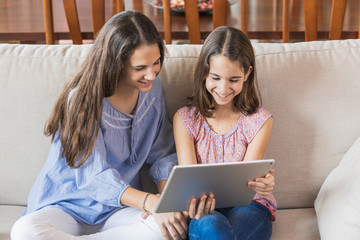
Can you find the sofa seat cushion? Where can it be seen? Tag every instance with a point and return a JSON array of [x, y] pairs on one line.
[[295, 224], [8, 216], [337, 204]]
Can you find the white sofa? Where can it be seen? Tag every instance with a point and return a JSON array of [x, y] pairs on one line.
[[311, 88]]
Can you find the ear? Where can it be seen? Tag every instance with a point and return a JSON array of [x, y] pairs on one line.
[[248, 73]]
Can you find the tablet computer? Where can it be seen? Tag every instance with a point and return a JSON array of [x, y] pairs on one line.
[[227, 181]]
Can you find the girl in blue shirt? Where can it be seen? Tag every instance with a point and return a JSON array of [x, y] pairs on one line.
[[108, 121]]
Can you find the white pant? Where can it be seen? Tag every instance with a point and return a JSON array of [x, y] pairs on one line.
[[52, 223]]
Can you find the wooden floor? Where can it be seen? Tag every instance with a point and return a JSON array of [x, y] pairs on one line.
[[22, 20]]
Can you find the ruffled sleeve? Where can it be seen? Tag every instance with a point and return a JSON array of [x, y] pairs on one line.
[[192, 120], [268, 201], [251, 124]]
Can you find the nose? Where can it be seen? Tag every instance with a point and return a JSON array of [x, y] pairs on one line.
[[223, 86], [150, 74]]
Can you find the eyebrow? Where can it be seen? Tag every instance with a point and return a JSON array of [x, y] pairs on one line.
[[216, 75], [137, 66]]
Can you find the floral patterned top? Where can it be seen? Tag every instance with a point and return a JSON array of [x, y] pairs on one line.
[[212, 147]]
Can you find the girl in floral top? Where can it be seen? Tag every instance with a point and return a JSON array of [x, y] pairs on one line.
[[224, 122]]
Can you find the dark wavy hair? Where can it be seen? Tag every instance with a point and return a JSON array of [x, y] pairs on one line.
[[97, 78], [235, 45]]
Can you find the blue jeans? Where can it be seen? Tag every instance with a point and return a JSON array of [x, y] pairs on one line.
[[243, 222]]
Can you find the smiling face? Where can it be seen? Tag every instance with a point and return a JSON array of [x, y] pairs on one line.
[[225, 80], [143, 67]]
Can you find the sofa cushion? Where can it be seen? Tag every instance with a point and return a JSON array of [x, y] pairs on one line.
[[297, 223], [337, 204]]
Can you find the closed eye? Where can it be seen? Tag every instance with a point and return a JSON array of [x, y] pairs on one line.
[[157, 62], [142, 67], [139, 69], [233, 79]]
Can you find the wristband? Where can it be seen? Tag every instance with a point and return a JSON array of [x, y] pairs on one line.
[[143, 205]]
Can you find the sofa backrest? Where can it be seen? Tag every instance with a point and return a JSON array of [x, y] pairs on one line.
[[311, 88], [31, 78]]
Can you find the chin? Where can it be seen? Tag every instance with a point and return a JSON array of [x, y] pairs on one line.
[[223, 103], [145, 89]]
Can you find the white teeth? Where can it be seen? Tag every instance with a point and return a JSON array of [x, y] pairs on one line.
[[222, 95]]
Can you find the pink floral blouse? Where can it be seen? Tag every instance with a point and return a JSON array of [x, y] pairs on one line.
[[211, 147]]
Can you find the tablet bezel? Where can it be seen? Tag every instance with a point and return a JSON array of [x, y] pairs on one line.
[[186, 181]]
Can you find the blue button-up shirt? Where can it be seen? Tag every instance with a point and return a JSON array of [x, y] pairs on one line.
[[92, 192]]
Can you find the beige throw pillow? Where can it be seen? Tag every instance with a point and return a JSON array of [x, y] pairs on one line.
[[337, 205]]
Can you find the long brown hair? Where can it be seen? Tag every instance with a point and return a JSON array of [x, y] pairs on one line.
[[234, 45], [78, 110]]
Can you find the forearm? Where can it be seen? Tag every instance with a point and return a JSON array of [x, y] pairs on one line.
[[133, 198], [161, 185], [139, 199]]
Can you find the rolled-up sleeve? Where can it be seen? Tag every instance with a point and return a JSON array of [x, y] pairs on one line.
[[161, 169]]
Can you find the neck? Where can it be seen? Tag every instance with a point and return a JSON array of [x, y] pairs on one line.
[[224, 111], [223, 119], [125, 99]]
